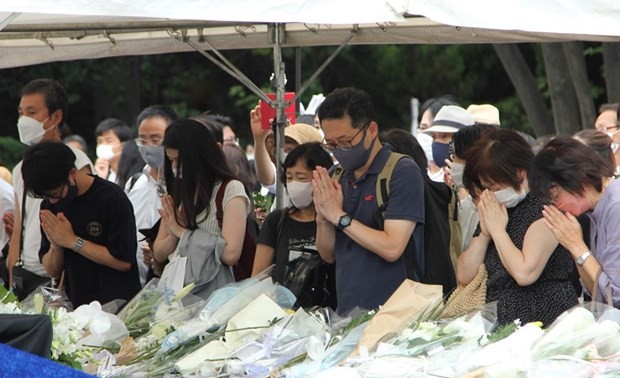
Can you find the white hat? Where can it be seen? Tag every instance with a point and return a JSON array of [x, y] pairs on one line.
[[450, 119], [484, 113]]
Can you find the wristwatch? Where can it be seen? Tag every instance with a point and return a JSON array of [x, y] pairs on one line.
[[79, 243], [582, 259], [344, 222]]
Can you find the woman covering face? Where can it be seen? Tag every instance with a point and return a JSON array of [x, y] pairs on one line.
[[528, 270], [578, 181]]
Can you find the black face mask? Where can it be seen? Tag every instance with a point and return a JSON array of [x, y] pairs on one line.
[[72, 191]]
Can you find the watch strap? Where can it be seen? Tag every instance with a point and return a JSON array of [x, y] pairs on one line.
[[79, 243], [582, 259]]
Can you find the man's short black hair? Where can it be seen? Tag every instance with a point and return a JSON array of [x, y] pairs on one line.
[[157, 111], [46, 166], [222, 119], [118, 127], [54, 95], [352, 102], [215, 127]]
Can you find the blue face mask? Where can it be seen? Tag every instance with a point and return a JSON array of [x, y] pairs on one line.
[[441, 152]]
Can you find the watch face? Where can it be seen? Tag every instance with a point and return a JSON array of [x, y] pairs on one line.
[[345, 220]]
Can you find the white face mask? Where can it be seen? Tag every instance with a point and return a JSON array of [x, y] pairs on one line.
[[509, 196], [30, 130], [456, 172], [300, 193], [105, 151], [176, 173]]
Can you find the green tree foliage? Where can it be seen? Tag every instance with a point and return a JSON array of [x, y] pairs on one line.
[[392, 74]]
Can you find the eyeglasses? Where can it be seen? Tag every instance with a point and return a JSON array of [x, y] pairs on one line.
[[50, 196], [148, 142], [346, 145]]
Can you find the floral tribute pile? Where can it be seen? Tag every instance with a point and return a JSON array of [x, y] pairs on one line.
[[248, 329]]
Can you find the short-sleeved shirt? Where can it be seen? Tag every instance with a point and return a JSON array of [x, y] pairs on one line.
[[234, 189], [363, 278], [31, 221], [102, 215], [145, 201], [300, 236]]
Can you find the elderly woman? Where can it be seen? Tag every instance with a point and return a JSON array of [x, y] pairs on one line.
[[567, 172], [528, 271]]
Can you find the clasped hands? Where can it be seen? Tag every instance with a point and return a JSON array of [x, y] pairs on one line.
[[493, 215], [167, 213], [58, 229], [327, 196]]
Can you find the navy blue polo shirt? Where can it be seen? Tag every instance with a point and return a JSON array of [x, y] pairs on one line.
[[363, 278]]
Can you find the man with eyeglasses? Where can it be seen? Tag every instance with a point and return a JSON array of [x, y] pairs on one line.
[[373, 253], [88, 226], [145, 189], [43, 110]]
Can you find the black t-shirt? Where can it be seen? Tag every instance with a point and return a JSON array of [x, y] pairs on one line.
[[299, 235], [102, 215]]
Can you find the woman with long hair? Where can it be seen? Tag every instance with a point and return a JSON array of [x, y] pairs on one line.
[[194, 171]]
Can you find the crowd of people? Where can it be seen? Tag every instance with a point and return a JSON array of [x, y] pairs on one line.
[[364, 208]]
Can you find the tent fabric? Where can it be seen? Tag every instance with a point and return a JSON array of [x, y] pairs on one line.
[[587, 17], [253, 11], [59, 30]]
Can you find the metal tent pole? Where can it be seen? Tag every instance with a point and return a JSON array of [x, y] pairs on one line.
[[279, 105], [9, 19]]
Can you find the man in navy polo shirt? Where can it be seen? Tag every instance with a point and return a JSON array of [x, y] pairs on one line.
[[369, 250]]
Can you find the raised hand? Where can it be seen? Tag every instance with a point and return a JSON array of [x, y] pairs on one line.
[[169, 220], [493, 214], [564, 226], [58, 229], [327, 196]]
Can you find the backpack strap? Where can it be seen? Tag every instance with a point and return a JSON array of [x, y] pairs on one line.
[[219, 199], [383, 181], [133, 179]]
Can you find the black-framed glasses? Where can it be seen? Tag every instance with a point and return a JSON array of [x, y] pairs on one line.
[[50, 196], [345, 145]]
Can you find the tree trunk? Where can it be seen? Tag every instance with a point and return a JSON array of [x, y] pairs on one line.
[[527, 90], [611, 70], [575, 58], [563, 98]]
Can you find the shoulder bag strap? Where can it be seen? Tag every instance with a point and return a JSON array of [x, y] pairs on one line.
[[219, 199], [20, 262]]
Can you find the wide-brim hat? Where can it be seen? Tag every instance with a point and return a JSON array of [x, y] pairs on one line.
[[450, 119]]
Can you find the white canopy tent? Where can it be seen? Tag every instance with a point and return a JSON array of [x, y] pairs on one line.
[[40, 31]]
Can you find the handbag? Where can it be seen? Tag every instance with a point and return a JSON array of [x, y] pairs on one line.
[[466, 298], [24, 281]]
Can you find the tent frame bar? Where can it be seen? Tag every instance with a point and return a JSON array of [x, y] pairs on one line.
[[8, 19], [277, 35]]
